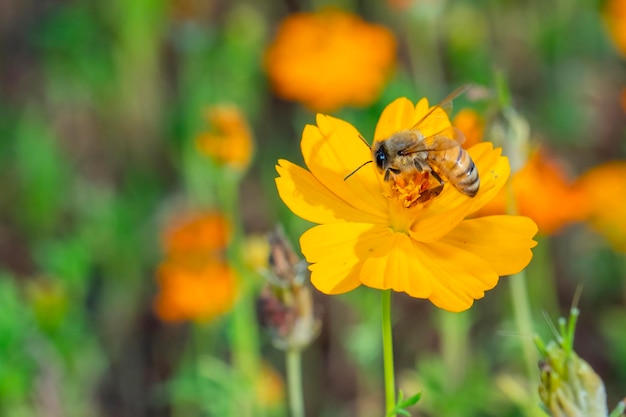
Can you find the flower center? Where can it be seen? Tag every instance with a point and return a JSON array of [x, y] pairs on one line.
[[409, 192], [410, 189]]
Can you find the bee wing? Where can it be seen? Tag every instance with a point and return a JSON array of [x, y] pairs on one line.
[[439, 113], [447, 139]]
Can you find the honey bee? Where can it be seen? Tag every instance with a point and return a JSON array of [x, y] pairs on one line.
[[439, 154]]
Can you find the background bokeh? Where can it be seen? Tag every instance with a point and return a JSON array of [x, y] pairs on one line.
[[101, 107]]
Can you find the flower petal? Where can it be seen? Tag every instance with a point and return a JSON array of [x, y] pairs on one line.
[[394, 266], [452, 278], [457, 277], [502, 241], [309, 199], [449, 208], [332, 150], [337, 252], [399, 115]]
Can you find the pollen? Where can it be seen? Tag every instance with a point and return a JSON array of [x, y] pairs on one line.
[[414, 188]]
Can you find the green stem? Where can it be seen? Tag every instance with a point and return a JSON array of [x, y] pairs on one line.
[[390, 389], [454, 336], [523, 321], [294, 382]]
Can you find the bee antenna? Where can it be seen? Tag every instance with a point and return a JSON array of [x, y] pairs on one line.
[[364, 141], [359, 167]]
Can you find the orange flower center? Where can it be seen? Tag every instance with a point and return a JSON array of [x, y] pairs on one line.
[[410, 189]]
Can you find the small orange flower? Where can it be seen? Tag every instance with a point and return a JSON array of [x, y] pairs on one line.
[[330, 59], [615, 20], [201, 233], [194, 289], [230, 141], [367, 235], [471, 124], [541, 192], [604, 190], [195, 281]]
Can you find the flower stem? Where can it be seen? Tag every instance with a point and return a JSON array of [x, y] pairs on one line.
[[390, 389], [294, 382], [523, 321]]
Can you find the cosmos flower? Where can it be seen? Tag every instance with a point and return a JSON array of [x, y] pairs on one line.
[[199, 233], [229, 142], [615, 21], [195, 281], [542, 192], [368, 235], [194, 288], [605, 192], [330, 59]]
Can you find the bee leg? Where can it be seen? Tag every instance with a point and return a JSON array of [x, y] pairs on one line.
[[432, 192], [390, 171]]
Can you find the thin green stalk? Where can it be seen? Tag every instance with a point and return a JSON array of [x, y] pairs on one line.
[[390, 388], [294, 382], [523, 322], [454, 336]]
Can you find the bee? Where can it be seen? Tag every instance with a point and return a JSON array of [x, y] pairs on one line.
[[440, 155]]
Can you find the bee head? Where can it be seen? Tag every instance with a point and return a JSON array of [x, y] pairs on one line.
[[380, 156]]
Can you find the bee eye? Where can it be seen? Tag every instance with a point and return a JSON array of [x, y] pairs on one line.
[[381, 158]]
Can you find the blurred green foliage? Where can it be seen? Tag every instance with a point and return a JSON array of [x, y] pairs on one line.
[[99, 105]]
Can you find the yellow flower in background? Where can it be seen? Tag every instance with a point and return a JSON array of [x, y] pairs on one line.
[[541, 192], [471, 124], [229, 142], [194, 288], [270, 387], [330, 59], [615, 20], [604, 189], [365, 237]]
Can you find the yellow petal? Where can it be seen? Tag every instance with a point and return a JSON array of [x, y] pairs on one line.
[[450, 277], [332, 150], [448, 209], [457, 277], [504, 242], [394, 266], [309, 199], [398, 115], [337, 251]]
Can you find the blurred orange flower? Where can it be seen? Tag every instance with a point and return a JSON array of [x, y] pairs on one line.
[[541, 192], [195, 282], [194, 289], [605, 190], [199, 233], [471, 124], [229, 142], [330, 59], [615, 20]]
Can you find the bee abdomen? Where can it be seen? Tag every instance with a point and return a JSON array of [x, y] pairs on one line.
[[468, 181]]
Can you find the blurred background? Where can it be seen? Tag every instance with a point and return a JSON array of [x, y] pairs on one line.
[[137, 148]]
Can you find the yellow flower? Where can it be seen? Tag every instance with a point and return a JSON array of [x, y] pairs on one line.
[[366, 236], [541, 192], [615, 20], [230, 141], [330, 59], [194, 288], [604, 190], [471, 124]]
